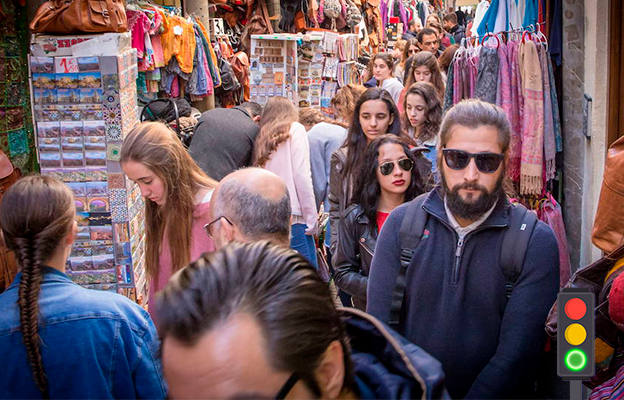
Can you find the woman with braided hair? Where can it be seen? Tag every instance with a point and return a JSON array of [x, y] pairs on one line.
[[57, 339]]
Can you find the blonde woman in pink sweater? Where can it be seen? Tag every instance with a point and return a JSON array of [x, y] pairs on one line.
[[282, 147]]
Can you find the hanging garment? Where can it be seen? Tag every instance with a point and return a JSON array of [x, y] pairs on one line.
[[516, 13], [473, 71], [503, 90], [457, 79], [448, 93], [530, 13], [138, 25], [479, 14], [533, 121], [198, 81], [550, 148], [487, 75], [517, 111], [551, 214], [555, 108], [495, 18]]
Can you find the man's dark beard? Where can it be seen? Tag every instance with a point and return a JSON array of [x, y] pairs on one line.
[[472, 211]]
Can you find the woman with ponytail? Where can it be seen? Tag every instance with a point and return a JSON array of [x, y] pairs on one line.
[[57, 339]]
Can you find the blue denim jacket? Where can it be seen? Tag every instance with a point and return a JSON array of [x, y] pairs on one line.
[[94, 344]]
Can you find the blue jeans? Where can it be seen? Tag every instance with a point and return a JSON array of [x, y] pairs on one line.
[[303, 243]]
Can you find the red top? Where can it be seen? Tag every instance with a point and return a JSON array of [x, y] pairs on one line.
[[381, 218]]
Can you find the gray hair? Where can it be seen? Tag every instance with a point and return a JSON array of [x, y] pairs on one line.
[[255, 216], [473, 114]]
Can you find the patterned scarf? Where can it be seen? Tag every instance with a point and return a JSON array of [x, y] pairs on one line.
[[450, 80], [457, 79], [487, 75], [533, 120], [517, 111], [550, 149]]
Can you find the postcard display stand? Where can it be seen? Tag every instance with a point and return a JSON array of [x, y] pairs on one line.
[[308, 69], [83, 107]]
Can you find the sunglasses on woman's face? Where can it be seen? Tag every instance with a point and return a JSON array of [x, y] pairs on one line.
[[459, 159], [405, 164]]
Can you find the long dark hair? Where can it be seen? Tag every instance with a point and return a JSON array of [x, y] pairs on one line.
[[356, 140], [433, 114], [428, 60], [36, 215], [367, 189], [276, 286]]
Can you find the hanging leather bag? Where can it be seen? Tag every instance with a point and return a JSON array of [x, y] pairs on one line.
[[80, 16], [608, 232]]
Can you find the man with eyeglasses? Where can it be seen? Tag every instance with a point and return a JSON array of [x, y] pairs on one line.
[[255, 321], [250, 204], [462, 272]]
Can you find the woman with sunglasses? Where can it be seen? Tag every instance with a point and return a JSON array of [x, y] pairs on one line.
[[375, 114], [177, 200], [388, 179], [422, 117]]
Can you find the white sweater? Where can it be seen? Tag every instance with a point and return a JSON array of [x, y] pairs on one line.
[[394, 87]]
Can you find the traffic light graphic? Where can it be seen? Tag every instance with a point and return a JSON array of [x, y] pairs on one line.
[[575, 334]]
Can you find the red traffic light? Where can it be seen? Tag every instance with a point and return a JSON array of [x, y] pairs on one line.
[[575, 308]]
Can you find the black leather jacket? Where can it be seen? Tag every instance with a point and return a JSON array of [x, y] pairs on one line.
[[354, 254]]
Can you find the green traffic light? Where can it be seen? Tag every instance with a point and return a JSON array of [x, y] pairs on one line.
[[575, 359]]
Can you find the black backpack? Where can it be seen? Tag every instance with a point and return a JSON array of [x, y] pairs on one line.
[[515, 242]]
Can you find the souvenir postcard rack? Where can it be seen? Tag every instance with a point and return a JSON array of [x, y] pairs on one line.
[[83, 107], [308, 69]]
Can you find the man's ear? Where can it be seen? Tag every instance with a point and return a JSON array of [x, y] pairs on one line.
[[228, 231], [330, 373], [256, 119]]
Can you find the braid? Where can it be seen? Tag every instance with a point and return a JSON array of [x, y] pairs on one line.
[[37, 213], [28, 300]]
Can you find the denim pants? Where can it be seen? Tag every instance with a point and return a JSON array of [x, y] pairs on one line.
[[303, 243]]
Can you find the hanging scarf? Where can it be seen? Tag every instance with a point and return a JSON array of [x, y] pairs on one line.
[[550, 149], [503, 94], [473, 72], [457, 79], [533, 121], [517, 112], [487, 75], [450, 81], [555, 108]]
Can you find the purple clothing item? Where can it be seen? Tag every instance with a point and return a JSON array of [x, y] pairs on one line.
[[457, 80], [386, 13], [503, 92], [517, 111]]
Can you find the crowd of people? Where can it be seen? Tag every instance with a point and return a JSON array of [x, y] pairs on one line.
[[449, 289]]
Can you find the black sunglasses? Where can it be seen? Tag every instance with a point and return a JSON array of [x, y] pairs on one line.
[[459, 159], [209, 225], [405, 164]]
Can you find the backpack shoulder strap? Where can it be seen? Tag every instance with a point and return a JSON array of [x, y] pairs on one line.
[[410, 233], [515, 242]]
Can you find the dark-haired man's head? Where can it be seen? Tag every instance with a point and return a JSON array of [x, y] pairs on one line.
[[428, 40], [254, 110], [252, 320], [472, 158], [449, 21], [250, 204]]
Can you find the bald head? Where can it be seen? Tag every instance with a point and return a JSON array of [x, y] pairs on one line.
[[257, 204]]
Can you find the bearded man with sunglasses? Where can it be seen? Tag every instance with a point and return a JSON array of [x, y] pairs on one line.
[[440, 273]]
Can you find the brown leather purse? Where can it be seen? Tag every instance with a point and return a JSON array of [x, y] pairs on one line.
[[80, 16], [8, 266]]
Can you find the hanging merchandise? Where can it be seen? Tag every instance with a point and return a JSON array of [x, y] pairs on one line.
[[175, 54], [516, 75], [16, 130], [83, 107], [308, 69]]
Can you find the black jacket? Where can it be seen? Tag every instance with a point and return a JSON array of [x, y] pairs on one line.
[[458, 32], [386, 365], [340, 191], [354, 253]]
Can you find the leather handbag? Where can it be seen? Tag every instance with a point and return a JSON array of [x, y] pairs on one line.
[[608, 232], [80, 16]]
